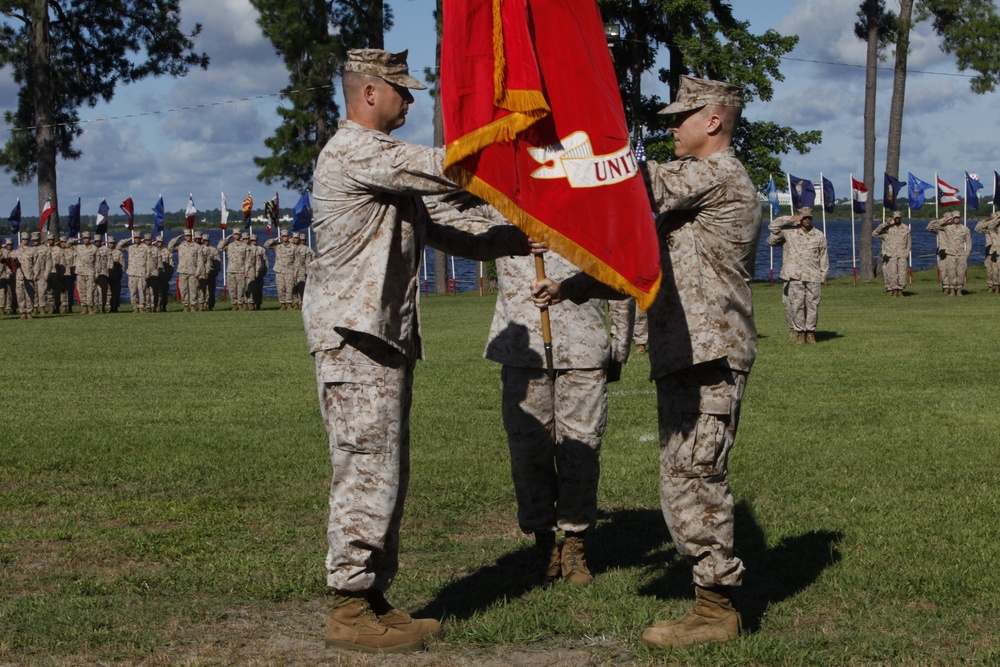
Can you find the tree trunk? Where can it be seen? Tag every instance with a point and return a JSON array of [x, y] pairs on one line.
[[440, 258], [376, 17], [45, 140], [865, 244], [898, 88]]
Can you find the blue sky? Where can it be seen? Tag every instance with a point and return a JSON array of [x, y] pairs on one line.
[[135, 146]]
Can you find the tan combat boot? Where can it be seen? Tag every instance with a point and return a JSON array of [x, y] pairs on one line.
[[640, 349], [810, 337], [396, 618], [549, 560], [574, 565], [800, 337], [353, 626], [793, 335], [713, 619]]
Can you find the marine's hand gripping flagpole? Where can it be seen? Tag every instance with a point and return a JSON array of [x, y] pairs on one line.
[[550, 367]]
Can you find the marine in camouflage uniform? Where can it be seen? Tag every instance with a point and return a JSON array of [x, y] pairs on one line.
[[304, 255], [6, 277], [805, 265], [102, 264], [360, 310], [116, 269], [236, 256], [990, 228], [25, 259], [954, 244], [66, 267], [136, 270], [255, 270], [41, 277], [85, 260], [213, 264], [895, 240], [555, 421], [189, 264], [702, 344], [284, 267], [47, 296]]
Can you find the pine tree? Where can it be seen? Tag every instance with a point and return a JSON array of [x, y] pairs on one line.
[[313, 37], [66, 53]]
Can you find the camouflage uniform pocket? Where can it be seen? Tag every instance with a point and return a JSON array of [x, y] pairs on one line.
[[359, 405], [694, 445]]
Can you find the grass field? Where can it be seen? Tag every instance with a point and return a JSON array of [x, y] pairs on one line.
[[163, 495]]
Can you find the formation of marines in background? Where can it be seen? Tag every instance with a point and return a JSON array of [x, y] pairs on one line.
[[50, 277]]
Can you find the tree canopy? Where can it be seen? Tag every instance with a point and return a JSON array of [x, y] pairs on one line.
[[66, 53], [702, 38], [312, 37]]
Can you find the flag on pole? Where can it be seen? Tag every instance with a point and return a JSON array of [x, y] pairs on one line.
[[918, 191], [47, 211], [247, 211], [859, 195], [158, 210], [129, 210], [829, 197], [15, 217], [890, 192], [947, 194], [225, 214], [772, 197], [534, 125], [189, 213], [972, 188], [803, 192], [271, 213], [73, 218], [101, 224], [302, 213]]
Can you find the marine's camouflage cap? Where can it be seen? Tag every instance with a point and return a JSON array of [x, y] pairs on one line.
[[85, 235], [301, 236], [63, 238], [954, 214], [25, 236], [698, 93], [896, 215], [806, 212], [388, 66], [36, 236], [7, 241], [253, 237], [111, 239], [187, 232], [147, 236]]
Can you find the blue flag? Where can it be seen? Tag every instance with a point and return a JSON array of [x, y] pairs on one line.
[[158, 210], [772, 197], [891, 191], [302, 214], [972, 188], [73, 222], [829, 198], [15, 217], [101, 225], [918, 191], [803, 192]]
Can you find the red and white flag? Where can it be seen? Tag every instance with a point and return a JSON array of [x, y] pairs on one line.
[[223, 223], [189, 213], [534, 125], [129, 210], [859, 195], [47, 211], [947, 195]]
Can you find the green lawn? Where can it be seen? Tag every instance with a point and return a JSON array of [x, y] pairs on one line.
[[163, 494]]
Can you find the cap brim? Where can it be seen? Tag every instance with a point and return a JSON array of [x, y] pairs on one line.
[[405, 80], [679, 107]]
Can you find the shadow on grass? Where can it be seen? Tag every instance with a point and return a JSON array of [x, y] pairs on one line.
[[638, 538], [827, 335], [773, 573]]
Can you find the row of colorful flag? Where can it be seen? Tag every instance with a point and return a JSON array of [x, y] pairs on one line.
[[803, 192], [301, 218]]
